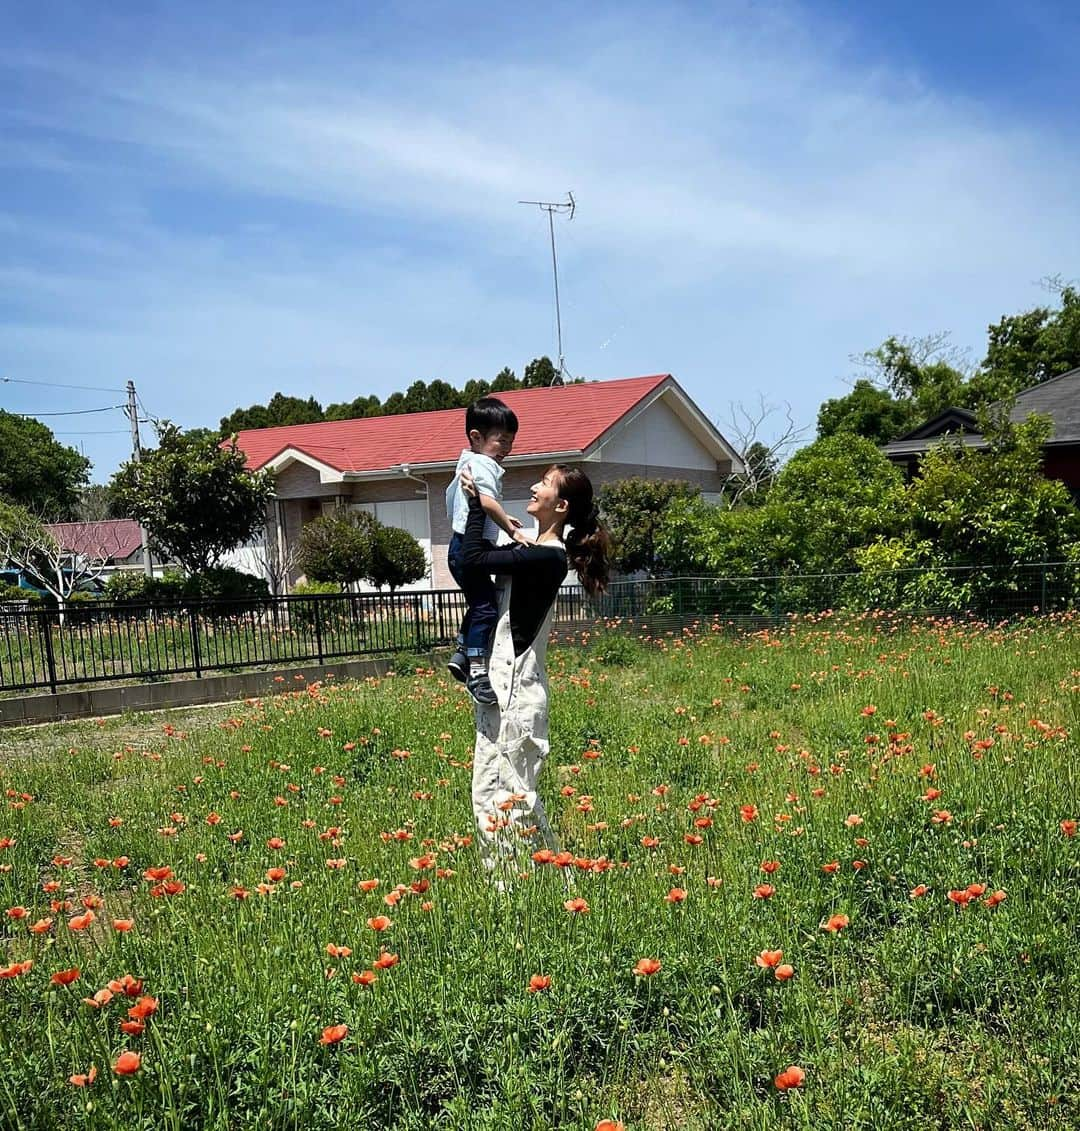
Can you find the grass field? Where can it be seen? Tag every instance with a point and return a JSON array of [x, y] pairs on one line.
[[274, 916]]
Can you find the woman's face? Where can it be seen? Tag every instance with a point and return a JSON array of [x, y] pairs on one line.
[[544, 504]]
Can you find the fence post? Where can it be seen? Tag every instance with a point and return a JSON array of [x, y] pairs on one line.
[[50, 655], [776, 599], [416, 620], [318, 627], [196, 650], [1042, 589]]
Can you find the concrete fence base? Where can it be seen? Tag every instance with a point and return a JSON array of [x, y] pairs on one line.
[[96, 702]]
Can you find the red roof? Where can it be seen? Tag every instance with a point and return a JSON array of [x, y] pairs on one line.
[[566, 418], [113, 538]]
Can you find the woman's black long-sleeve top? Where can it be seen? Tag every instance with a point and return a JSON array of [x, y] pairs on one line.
[[536, 571]]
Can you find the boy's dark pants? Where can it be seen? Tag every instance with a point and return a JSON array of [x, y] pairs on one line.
[[482, 612]]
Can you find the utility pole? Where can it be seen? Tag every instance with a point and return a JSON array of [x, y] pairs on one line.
[[132, 412], [567, 208]]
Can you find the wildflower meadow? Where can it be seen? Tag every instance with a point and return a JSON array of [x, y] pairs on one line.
[[819, 876]]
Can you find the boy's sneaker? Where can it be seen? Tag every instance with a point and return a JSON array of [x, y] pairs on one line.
[[458, 666], [479, 687]]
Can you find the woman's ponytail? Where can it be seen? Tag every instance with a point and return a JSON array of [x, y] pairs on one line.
[[588, 541]]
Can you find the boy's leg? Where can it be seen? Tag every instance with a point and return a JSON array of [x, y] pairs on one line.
[[458, 664], [483, 616]]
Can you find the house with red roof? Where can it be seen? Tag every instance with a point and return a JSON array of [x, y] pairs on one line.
[[398, 467]]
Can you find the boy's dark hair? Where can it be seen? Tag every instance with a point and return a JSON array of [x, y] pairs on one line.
[[488, 414]]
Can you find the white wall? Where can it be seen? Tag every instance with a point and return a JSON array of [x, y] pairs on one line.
[[657, 438]]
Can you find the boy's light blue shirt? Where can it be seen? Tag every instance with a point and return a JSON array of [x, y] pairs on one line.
[[487, 474]]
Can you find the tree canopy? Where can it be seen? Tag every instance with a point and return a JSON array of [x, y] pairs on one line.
[[194, 497], [420, 396], [36, 470]]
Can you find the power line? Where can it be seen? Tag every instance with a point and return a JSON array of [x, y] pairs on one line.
[[71, 412], [107, 432], [58, 385]]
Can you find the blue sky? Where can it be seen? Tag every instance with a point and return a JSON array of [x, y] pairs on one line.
[[222, 204]]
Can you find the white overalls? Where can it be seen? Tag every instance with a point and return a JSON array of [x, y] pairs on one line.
[[511, 746]]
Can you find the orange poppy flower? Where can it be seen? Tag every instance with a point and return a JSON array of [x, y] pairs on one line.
[[65, 977], [852, 820], [538, 982], [918, 891], [693, 839], [1068, 827], [769, 867], [646, 967], [123, 925], [368, 885], [380, 922], [127, 985], [81, 922], [764, 891], [675, 895], [17, 913], [543, 856], [336, 951], [40, 927], [145, 1007], [791, 1077], [235, 837], [831, 867], [364, 977], [276, 875], [385, 960], [995, 898], [784, 972], [84, 1079], [156, 875], [16, 969], [748, 813], [610, 1125], [769, 959], [334, 1034], [577, 906], [127, 1063], [975, 890], [133, 1028], [835, 923], [650, 842], [102, 997], [275, 842]]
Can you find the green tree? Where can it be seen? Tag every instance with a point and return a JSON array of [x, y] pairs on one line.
[[504, 382], [36, 470], [866, 411], [396, 558], [1029, 348], [194, 497], [355, 409], [338, 547], [634, 510], [280, 410], [992, 507], [98, 503], [539, 373]]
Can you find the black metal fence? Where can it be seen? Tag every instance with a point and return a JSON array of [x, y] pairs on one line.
[[94, 642]]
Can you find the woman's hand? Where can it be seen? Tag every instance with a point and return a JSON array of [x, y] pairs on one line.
[[468, 484]]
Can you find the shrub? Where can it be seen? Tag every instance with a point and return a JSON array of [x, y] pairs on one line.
[[397, 558], [338, 547]]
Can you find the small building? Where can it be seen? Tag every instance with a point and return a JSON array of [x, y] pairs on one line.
[[115, 543], [1057, 398], [398, 467]]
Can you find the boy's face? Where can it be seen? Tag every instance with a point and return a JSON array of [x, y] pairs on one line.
[[497, 444]]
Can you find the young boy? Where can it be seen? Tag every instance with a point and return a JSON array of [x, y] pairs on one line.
[[490, 427]]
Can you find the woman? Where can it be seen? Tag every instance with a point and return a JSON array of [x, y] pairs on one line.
[[512, 734]]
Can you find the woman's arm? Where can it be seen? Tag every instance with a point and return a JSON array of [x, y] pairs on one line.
[[503, 559]]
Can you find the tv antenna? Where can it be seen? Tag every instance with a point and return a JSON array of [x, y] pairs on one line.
[[565, 208]]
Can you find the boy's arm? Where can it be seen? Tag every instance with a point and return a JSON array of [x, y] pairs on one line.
[[494, 510]]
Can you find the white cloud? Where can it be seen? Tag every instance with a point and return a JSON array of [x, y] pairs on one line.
[[754, 207]]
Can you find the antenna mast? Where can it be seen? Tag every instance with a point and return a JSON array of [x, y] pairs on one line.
[[563, 208]]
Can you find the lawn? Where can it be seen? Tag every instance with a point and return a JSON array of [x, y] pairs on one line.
[[820, 877]]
